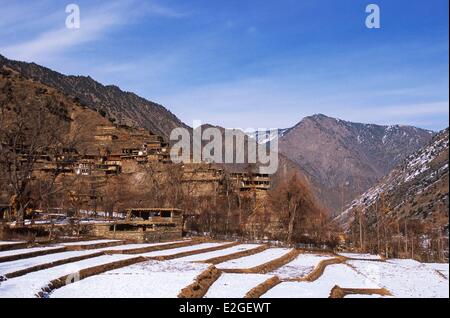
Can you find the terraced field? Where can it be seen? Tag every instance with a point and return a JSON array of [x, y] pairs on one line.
[[211, 269]]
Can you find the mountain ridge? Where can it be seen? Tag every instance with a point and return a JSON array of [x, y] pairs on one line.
[[119, 106]]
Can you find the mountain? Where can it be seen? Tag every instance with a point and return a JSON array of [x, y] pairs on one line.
[[123, 108], [416, 189], [263, 137], [344, 159]]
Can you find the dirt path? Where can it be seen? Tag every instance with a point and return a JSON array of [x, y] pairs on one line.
[[202, 283], [266, 267]]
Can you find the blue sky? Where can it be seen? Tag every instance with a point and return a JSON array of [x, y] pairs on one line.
[[250, 63]]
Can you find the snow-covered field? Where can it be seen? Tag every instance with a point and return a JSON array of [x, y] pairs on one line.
[[128, 247], [254, 260], [439, 267], [405, 278], [339, 274], [27, 286], [361, 256], [87, 243], [24, 251], [235, 285], [301, 266], [11, 242], [185, 249], [151, 278], [219, 253], [21, 264]]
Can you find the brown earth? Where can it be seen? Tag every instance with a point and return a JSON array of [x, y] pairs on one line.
[[338, 292], [202, 283], [263, 288]]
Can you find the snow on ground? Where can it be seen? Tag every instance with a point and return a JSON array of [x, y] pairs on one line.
[[21, 264], [29, 250], [300, 267], [361, 256], [442, 268], [185, 249], [127, 247], [152, 279], [11, 242], [235, 285], [339, 274], [227, 251], [366, 296], [87, 243], [405, 278], [27, 286], [254, 260]]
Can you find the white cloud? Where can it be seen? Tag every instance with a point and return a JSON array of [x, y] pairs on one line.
[[95, 22]]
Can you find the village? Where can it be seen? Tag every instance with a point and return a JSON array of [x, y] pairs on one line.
[[109, 154]]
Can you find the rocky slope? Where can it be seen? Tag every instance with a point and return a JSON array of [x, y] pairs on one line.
[[344, 159], [416, 189], [120, 107]]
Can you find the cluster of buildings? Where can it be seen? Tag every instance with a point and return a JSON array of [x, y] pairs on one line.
[[112, 151]]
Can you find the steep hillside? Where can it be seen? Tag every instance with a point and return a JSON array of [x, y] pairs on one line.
[[120, 107], [415, 189], [344, 159]]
